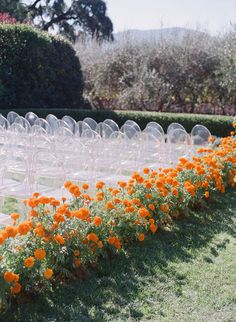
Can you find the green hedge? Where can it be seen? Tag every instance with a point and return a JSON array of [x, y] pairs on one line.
[[37, 70], [218, 125]]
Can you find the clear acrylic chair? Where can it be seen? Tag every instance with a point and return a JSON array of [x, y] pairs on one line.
[[113, 125], [70, 122], [11, 116], [4, 122], [91, 122], [31, 118], [155, 125]]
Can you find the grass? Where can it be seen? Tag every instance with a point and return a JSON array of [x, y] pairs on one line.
[[183, 274]]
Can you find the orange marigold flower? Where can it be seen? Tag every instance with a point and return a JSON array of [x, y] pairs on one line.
[[48, 273], [29, 262], [93, 237], [153, 228], [67, 184], [100, 185], [33, 202], [39, 253], [43, 200], [55, 203], [151, 206], [165, 208], [206, 194], [141, 237], [11, 231], [33, 213], [60, 239], [24, 228], [100, 244], [109, 205], [116, 200], [16, 288], [146, 170], [136, 201], [175, 192], [122, 184], [97, 220], [9, 277], [100, 196], [77, 262], [148, 185], [15, 216], [76, 253], [143, 212], [85, 186]]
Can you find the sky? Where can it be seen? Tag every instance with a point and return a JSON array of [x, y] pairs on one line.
[[211, 15]]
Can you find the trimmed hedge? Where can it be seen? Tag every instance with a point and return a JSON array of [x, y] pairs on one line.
[[38, 70], [218, 125]]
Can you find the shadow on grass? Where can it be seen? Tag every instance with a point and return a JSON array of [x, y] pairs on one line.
[[114, 284]]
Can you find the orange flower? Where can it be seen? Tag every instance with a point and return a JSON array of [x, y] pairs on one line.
[[136, 201], [116, 200], [24, 228], [55, 203], [67, 184], [33, 213], [146, 171], [153, 228], [11, 231], [15, 216], [97, 221], [92, 237], [29, 262], [16, 288], [48, 273], [100, 196], [9, 277], [100, 244], [109, 205], [122, 184], [100, 185], [206, 194], [39, 253], [175, 192], [165, 208], [33, 202], [151, 206], [143, 212], [76, 253], [85, 186], [141, 237], [77, 262], [60, 239]]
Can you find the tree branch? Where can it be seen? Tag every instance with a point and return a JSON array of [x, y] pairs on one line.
[[33, 5]]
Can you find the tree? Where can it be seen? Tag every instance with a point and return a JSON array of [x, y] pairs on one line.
[[68, 17]]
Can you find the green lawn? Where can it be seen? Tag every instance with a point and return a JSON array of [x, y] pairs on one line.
[[187, 273]]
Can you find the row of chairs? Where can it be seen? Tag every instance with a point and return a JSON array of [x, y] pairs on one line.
[[40, 154]]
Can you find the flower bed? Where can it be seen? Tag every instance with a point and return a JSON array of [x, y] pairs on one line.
[[61, 238]]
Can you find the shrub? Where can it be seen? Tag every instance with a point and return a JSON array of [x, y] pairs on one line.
[[37, 70], [218, 125], [196, 74]]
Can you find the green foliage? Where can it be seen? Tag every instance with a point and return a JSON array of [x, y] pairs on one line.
[[196, 74], [162, 279], [37, 70], [70, 18], [218, 125]]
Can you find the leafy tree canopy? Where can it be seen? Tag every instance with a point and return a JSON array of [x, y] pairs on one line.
[[68, 17]]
